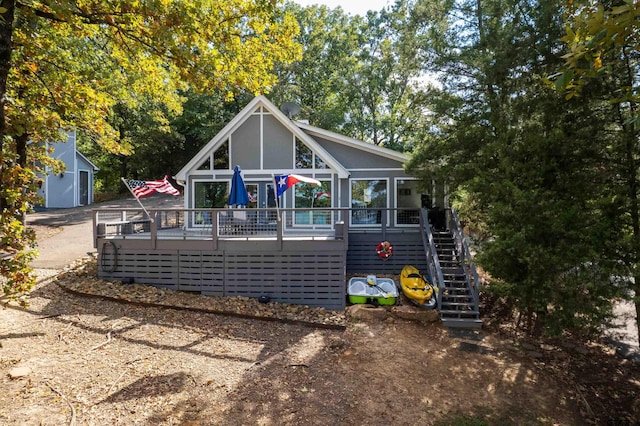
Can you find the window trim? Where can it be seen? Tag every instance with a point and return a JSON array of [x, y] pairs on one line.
[[363, 225]]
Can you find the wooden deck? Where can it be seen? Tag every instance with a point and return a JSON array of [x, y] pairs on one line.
[[250, 255]]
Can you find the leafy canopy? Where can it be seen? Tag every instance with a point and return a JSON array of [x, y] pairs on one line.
[[66, 64]]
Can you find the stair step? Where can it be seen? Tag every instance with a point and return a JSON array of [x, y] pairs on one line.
[[444, 311], [450, 288], [457, 296], [453, 271], [455, 284], [446, 256], [442, 234], [459, 314], [470, 304], [462, 322]]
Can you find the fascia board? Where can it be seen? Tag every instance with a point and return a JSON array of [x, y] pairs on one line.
[[334, 164], [221, 135], [354, 143], [241, 117]]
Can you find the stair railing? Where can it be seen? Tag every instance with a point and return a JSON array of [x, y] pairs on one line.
[[433, 264], [465, 254]]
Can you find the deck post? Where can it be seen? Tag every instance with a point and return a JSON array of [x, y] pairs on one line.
[[280, 232], [383, 223], [94, 214], [214, 229], [153, 215]]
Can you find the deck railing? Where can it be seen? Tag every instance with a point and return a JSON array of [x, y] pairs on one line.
[[462, 247], [433, 263], [205, 224]]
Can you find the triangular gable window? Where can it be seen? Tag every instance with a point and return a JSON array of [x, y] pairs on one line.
[[221, 157], [306, 159], [304, 156], [206, 165]]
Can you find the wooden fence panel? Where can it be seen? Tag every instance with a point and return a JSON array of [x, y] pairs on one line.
[[313, 279], [159, 268], [201, 271]]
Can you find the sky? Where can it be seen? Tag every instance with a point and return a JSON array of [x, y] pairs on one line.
[[353, 7]]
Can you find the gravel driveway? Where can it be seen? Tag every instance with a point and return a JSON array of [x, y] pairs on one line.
[[76, 239]]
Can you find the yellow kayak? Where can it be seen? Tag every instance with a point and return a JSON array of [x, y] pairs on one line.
[[416, 287]]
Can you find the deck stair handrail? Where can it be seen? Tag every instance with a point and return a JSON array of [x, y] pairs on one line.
[[433, 264], [458, 301], [465, 254]]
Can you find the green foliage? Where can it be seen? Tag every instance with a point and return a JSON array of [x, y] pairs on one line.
[[85, 65], [17, 243], [602, 40], [358, 75], [527, 164]]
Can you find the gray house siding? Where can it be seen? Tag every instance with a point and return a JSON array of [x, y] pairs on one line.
[[245, 144], [296, 272], [278, 145], [63, 190], [355, 158]]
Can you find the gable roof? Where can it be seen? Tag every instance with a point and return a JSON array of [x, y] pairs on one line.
[[93, 166], [243, 115], [355, 143]]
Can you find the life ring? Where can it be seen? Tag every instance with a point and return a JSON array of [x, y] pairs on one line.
[[384, 249]]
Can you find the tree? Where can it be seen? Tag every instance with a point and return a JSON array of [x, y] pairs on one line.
[[603, 59], [358, 75], [525, 159], [66, 64], [316, 81]]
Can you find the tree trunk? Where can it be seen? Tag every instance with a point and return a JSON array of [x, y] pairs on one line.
[[6, 47], [21, 151]]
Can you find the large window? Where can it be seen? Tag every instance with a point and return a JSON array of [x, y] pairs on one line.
[[368, 197], [209, 195], [309, 196], [408, 202]]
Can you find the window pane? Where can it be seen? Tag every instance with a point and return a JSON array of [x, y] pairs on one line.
[[313, 196], [408, 201], [221, 157], [206, 165], [252, 190], [367, 194], [210, 195], [319, 163], [304, 156]]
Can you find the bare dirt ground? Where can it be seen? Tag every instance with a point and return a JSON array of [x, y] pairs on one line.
[[93, 361]]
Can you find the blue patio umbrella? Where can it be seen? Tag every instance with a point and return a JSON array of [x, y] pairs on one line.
[[238, 195]]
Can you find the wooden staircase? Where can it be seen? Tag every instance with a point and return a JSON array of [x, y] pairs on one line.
[[458, 298]]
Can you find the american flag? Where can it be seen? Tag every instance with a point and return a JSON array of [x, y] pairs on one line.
[[142, 188]]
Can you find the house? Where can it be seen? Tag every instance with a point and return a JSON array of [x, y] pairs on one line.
[[264, 142], [296, 248], [74, 186]]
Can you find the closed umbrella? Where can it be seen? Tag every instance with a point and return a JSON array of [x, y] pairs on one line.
[[238, 195]]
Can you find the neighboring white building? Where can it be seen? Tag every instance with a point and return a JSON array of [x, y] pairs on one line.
[[73, 187]]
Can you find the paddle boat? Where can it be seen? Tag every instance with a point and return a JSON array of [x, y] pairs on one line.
[[417, 288], [371, 289]]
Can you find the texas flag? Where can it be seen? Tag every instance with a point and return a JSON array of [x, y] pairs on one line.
[[284, 182]]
